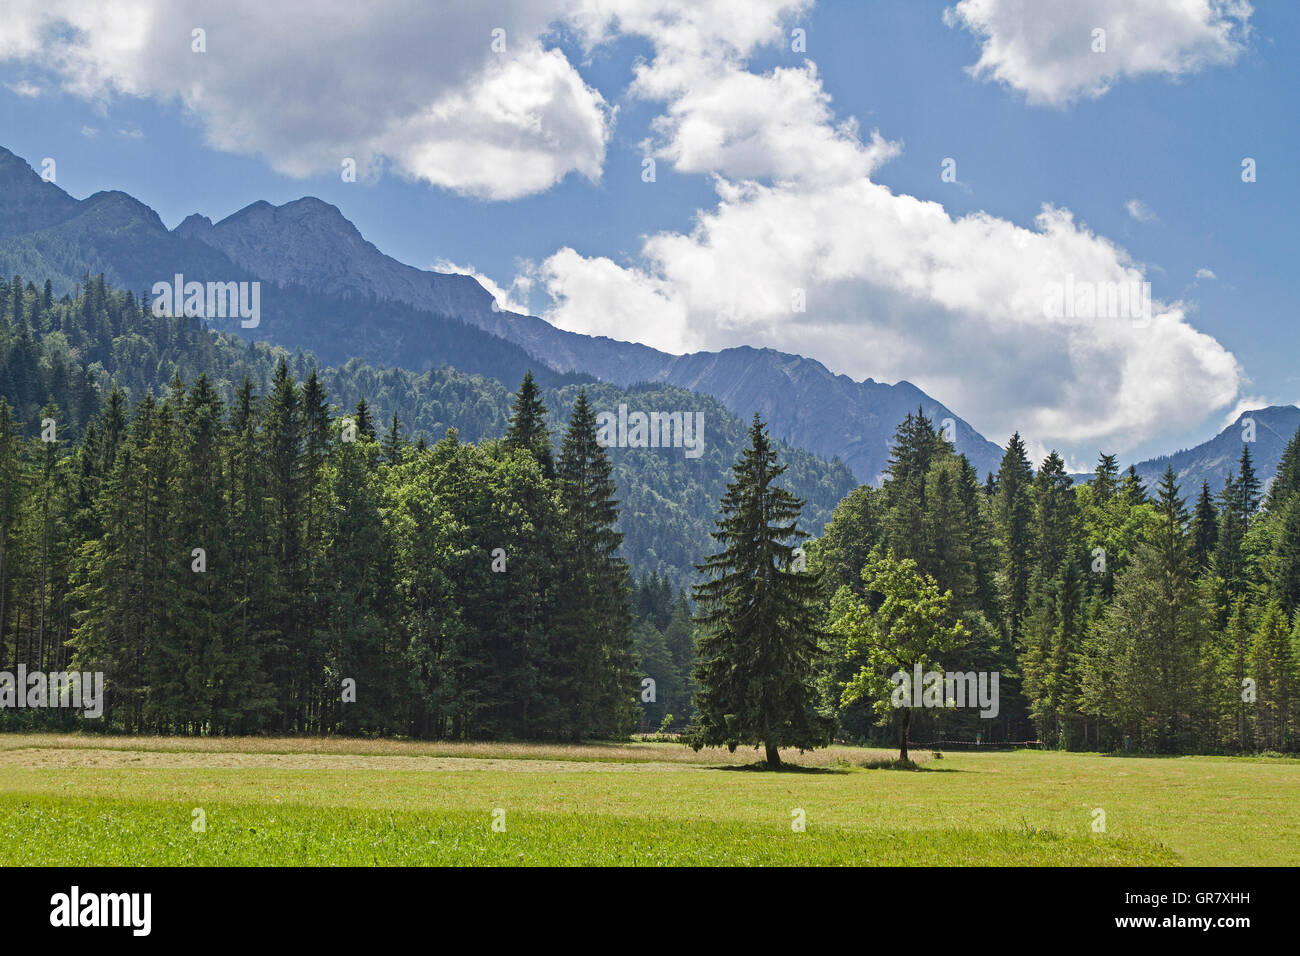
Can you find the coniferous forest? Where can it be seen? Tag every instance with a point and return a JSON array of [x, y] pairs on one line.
[[265, 567], [72, 352], [1118, 616], [239, 554]]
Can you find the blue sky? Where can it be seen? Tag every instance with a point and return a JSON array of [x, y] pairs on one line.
[[1142, 144]]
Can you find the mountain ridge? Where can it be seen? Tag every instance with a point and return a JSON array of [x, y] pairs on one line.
[[318, 263], [338, 260], [1213, 460], [309, 244]]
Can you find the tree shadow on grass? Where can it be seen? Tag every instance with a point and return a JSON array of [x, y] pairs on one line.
[[908, 765], [760, 766]]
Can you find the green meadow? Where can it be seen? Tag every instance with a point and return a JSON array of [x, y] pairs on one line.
[[74, 800]]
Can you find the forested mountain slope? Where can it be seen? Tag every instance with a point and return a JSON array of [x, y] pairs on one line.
[[326, 289], [72, 351]]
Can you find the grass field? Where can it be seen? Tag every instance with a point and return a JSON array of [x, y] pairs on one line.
[[71, 800]]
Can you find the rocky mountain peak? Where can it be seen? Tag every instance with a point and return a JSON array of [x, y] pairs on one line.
[[27, 202]]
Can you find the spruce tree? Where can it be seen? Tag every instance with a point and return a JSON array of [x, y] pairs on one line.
[[316, 435], [525, 518], [978, 519], [1273, 665], [1237, 660], [282, 423], [1205, 528], [110, 588], [596, 643], [163, 568], [1105, 480], [1055, 514], [1013, 516], [245, 698], [1284, 584], [1229, 556], [1248, 486], [916, 445], [1054, 626], [395, 443], [204, 608], [759, 621], [679, 636], [527, 427], [1132, 487], [12, 482], [949, 553], [1149, 640], [1286, 481], [365, 420], [656, 663], [358, 598]]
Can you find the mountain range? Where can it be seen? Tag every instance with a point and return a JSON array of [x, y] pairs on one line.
[[1266, 430], [317, 268], [319, 273]]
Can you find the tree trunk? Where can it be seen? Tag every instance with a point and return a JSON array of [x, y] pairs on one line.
[[773, 757], [902, 733]]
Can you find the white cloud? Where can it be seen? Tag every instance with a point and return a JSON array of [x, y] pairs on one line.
[[23, 88], [895, 286], [306, 84], [1046, 50], [1247, 403], [513, 298], [89, 132], [719, 117], [777, 126], [597, 296], [1205, 274], [1139, 210]]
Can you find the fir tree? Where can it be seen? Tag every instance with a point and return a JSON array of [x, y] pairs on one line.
[[949, 555], [1248, 486], [1013, 517], [1132, 488], [282, 421], [1105, 480], [1273, 666], [365, 421], [759, 619], [245, 699], [1149, 640], [1229, 558], [916, 444], [1284, 583], [527, 428], [12, 480], [1286, 481], [359, 598], [395, 443], [1205, 528], [596, 617]]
